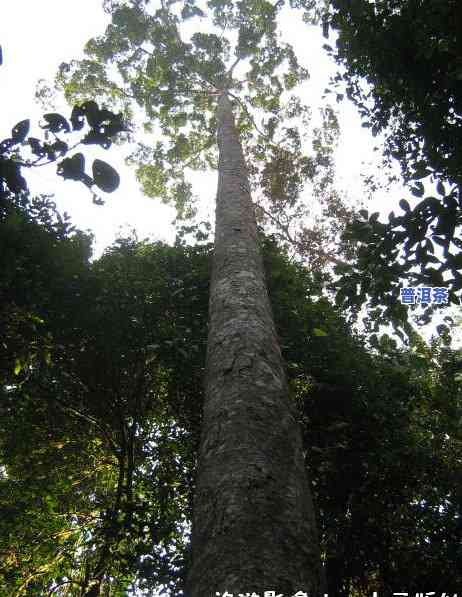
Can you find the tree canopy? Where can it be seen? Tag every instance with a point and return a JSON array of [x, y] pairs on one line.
[[400, 63]]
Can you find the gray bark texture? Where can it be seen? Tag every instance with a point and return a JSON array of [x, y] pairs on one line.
[[253, 525]]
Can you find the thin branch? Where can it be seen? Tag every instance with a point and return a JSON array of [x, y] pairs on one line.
[[206, 145], [229, 74], [89, 419], [279, 224], [250, 117], [61, 584], [294, 242]]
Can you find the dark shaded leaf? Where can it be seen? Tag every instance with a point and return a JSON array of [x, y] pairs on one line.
[[36, 146], [418, 190], [440, 241], [421, 174], [95, 138], [77, 118], [92, 113], [442, 329], [56, 123], [105, 176], [115, 126], [405, 205], [6, 144], [72, 168], [60, 147], [20, 131], [10, 172]]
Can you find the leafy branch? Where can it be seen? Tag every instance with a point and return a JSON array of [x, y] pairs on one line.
[[103, 124]]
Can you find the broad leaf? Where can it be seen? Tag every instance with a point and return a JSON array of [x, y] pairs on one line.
[[105, 176], [20, 130]]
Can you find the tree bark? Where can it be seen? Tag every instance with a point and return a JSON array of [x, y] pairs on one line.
[[253, 522]]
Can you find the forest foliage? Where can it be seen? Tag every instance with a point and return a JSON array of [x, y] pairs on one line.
[[100, 408], [400, 63]]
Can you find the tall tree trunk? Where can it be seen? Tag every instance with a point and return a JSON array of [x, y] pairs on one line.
[[253, 523]]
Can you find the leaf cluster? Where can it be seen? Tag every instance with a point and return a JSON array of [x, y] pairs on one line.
[[103, 126], [401, 66]]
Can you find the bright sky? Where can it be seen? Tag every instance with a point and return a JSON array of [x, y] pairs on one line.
[[37, 36]]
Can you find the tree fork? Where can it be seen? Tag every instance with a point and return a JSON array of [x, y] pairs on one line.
[[254, 527]]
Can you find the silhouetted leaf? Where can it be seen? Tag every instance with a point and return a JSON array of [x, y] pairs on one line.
[[36, 146], [92, 113], [418, 190], [10, 172], [20, 130], [56, 123], [105, 176], [405, 205], [442, 329], [96, 138], [77, 118], [115, 126], [72, 168], [6, 144], [60, 147], [440, 241]]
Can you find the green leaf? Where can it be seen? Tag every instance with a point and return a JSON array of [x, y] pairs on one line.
[[319, 332], [17, 367], [105, 176]]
